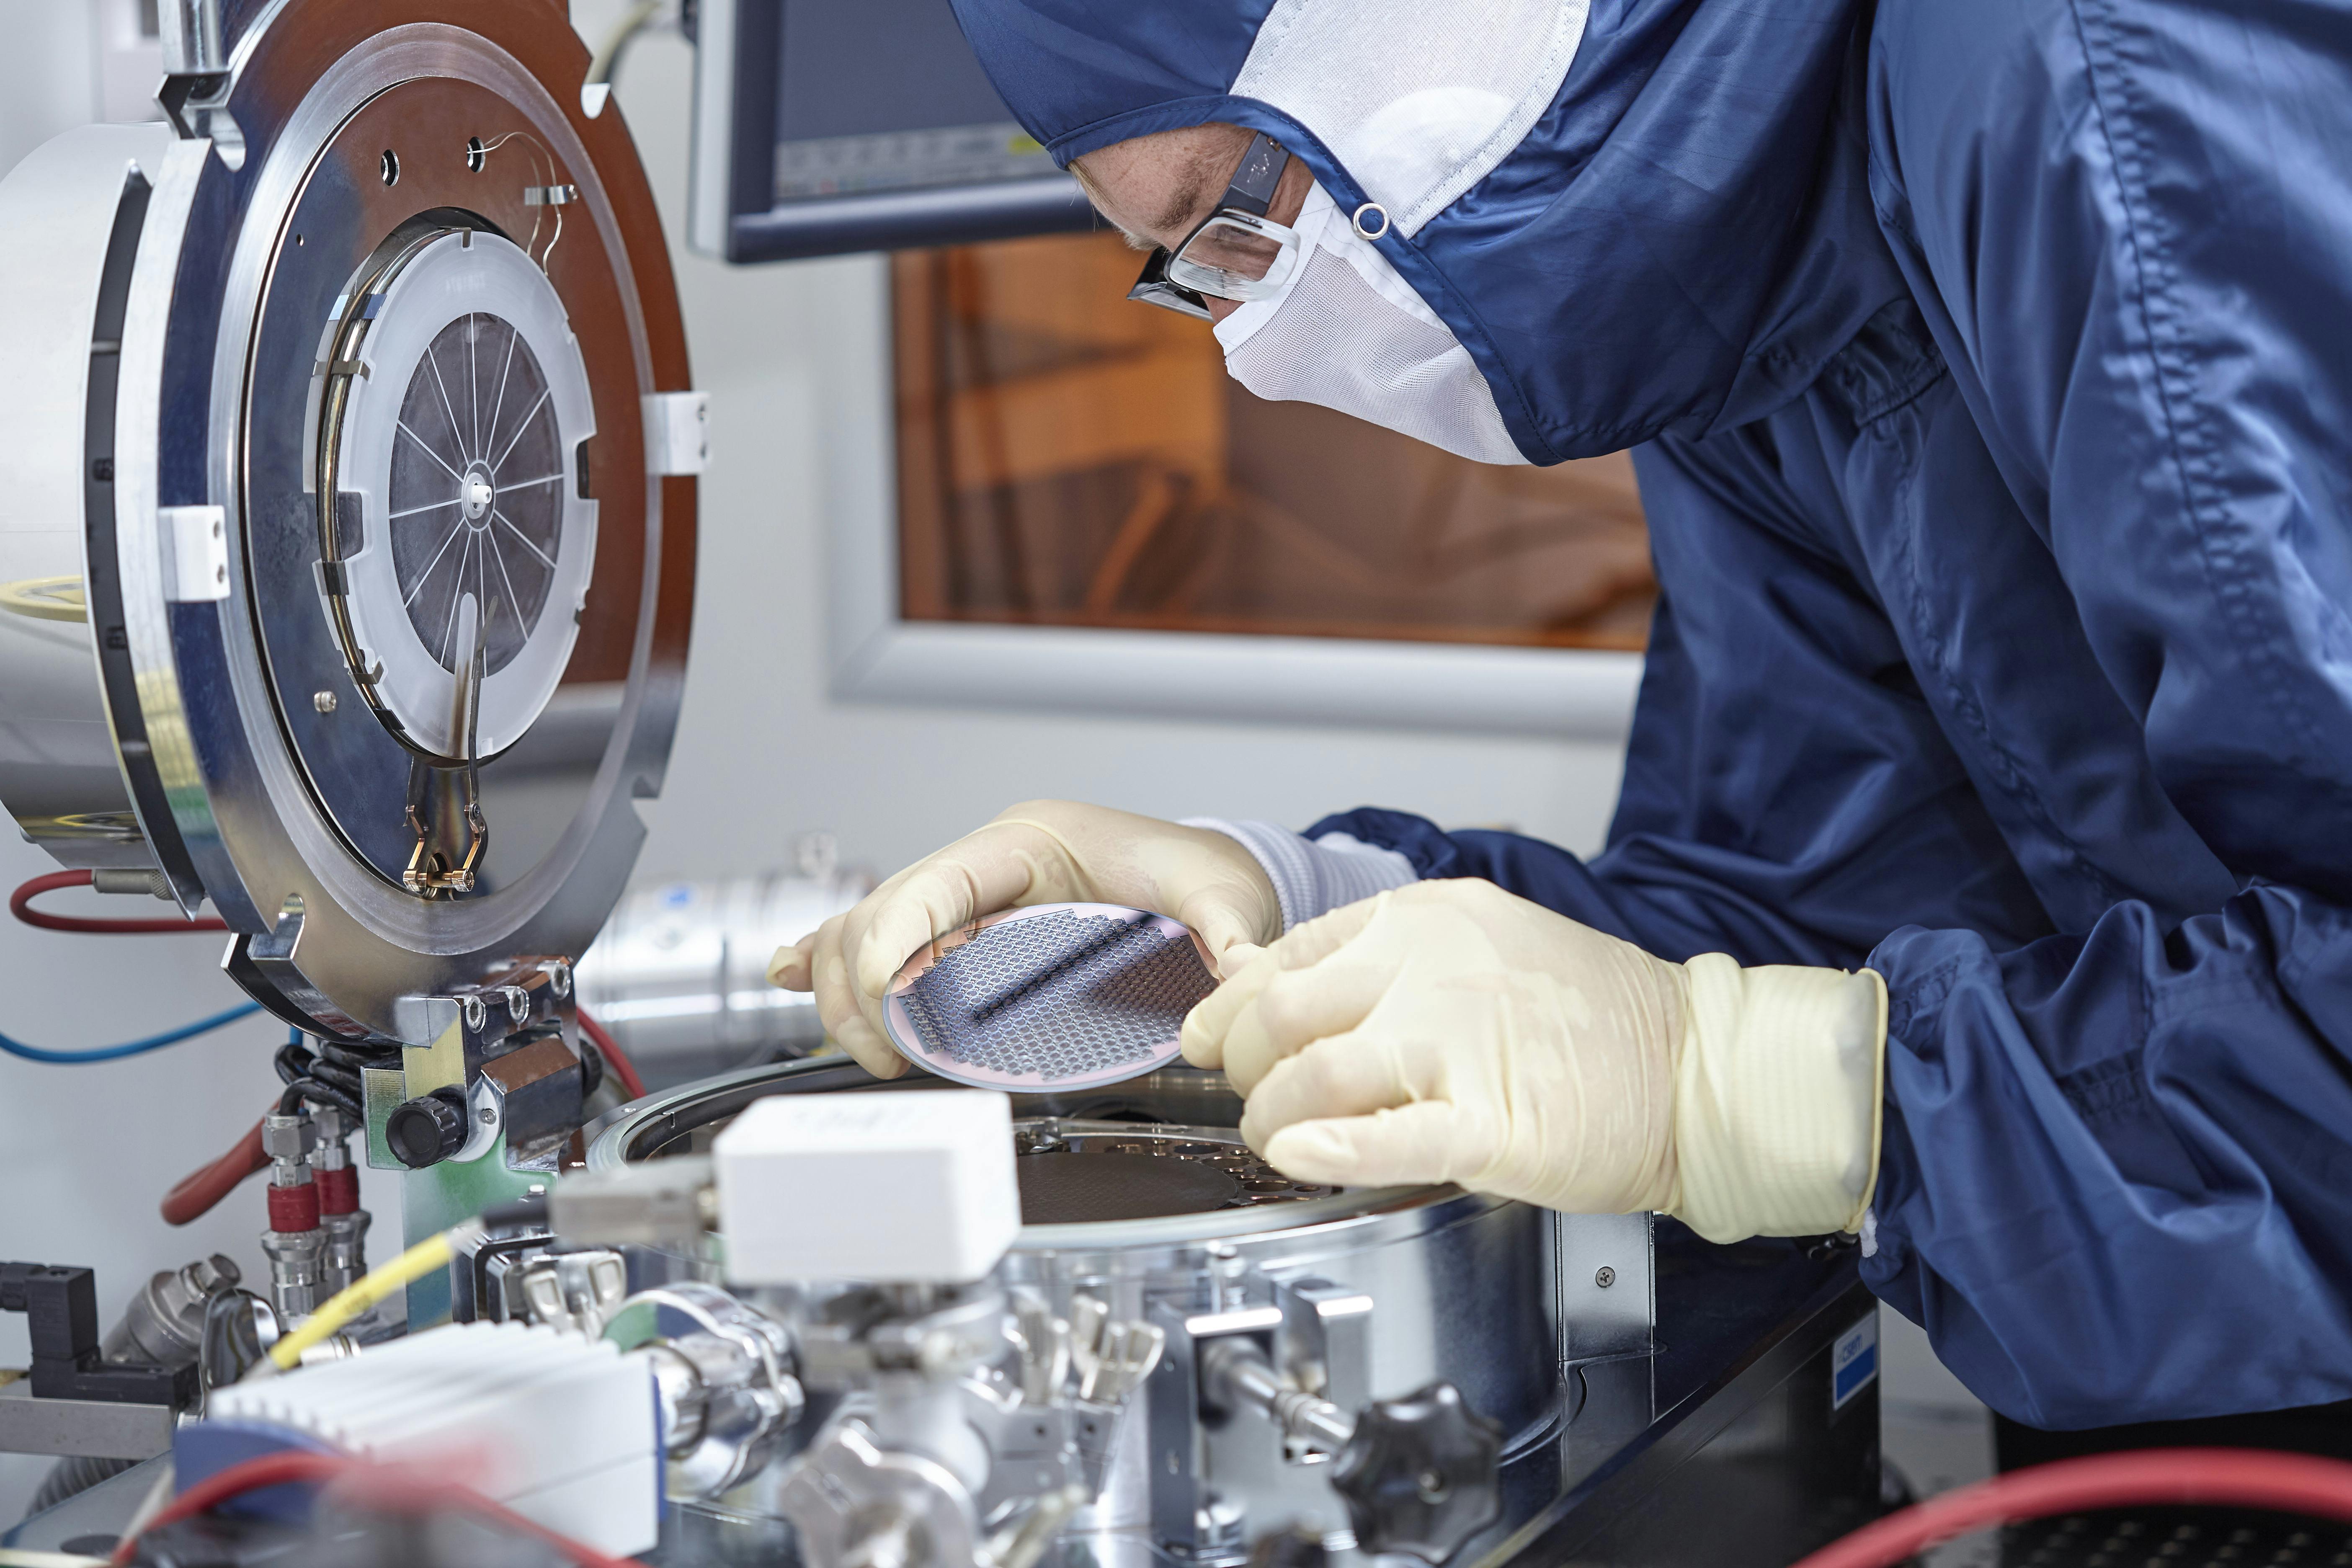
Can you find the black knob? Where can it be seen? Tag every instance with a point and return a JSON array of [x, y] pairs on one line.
[[427, 1130], [1297, 1547], [1420, 1475]]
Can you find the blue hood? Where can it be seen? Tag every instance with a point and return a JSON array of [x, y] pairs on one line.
[[1677, 243]]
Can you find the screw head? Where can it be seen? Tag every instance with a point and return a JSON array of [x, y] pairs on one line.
[[1605, 1276], [324, 702], [476, 1014]]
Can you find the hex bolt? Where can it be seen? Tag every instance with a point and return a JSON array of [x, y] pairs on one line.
[[1605, 1278], [324, 702]]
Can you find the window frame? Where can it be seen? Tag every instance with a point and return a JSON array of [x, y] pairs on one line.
[[876, 656]]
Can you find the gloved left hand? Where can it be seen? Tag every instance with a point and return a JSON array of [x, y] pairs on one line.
[[1450, 1032]]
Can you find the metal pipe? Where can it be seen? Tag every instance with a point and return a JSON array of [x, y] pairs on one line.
[[679, 974], [192, 37], [1236, 1373]]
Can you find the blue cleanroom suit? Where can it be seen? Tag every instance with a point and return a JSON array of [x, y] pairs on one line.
[[1990, 362]]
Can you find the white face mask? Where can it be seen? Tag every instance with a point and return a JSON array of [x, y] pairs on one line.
[[1346, 332]]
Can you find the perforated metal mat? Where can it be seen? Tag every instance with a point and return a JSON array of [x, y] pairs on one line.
[[1075, 1189], [1059, 996], [1077, 1171]]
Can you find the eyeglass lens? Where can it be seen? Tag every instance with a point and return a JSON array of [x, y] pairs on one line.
[[1237, 250]]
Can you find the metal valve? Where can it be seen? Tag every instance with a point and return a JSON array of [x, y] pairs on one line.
[[1419, 1474]]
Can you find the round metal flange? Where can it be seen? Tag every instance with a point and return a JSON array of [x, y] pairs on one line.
[[398, 319]]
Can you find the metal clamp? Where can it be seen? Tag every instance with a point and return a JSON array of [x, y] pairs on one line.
[[723, 1373]]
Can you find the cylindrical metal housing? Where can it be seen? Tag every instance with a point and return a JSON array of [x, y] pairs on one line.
[[295, 1260], [64, 205], [679, 973], [1459, 1288], [164, 1323]]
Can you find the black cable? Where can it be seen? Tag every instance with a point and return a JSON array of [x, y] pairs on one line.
[[592, 1069], [326, 1069], [231, 1342], [527, 1213], [356, 1057], [322, 1077], [318, 1093]]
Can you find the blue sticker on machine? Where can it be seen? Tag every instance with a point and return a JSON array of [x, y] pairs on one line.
[[1853, 1362]]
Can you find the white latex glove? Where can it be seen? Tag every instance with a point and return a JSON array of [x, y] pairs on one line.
[[1040, 852], [1452, 1032]]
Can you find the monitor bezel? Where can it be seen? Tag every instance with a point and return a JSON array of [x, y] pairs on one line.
[[735, 215]]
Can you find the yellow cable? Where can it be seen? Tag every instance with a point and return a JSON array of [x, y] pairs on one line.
[[421, 1260], [45, 598]]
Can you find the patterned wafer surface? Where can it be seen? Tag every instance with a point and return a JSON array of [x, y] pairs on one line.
[[1061, 995]]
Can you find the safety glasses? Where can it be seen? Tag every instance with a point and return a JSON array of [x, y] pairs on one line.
[[1236, 252]]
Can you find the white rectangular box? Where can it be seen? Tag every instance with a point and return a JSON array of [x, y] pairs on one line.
[[914, 1187]]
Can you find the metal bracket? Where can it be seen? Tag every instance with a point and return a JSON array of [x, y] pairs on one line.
[[1607, 1291], [60, 1306], [1323, 1349], [1187, 1509], [196, 553], [98, 1428], [194, 94], [677, 432]]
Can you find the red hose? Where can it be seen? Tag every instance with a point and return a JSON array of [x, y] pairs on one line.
[[2233, 1477], [623, 1069], [378, 1486], [199, 1190], [20, 904]]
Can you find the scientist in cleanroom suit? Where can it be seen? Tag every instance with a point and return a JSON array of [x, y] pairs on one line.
[[1982, 879]]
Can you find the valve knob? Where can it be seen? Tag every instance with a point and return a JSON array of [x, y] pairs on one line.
[[1421, 1474], [427, 1130]]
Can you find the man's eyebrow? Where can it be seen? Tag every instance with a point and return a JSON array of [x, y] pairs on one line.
[[1184, 204]]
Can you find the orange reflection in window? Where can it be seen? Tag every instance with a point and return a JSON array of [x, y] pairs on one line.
[[1066, 457]]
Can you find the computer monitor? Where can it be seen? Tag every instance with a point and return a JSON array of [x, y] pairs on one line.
[[827, 126]]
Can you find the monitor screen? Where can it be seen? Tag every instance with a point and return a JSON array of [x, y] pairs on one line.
[[825, 126]]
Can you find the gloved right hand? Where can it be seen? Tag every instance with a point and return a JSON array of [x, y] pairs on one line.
[[1450, 1031], [1040, 852]]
